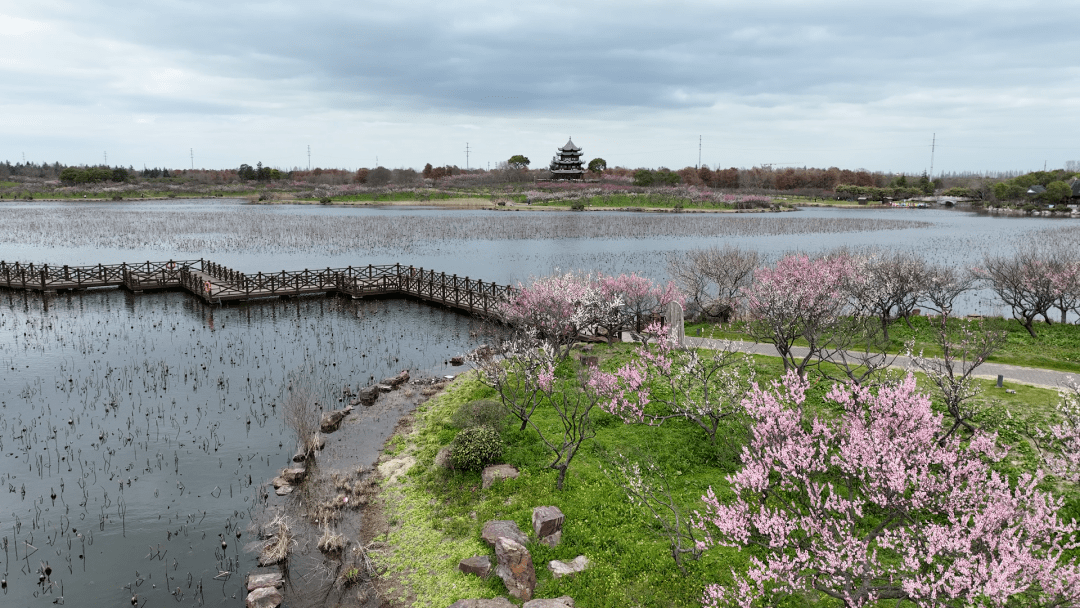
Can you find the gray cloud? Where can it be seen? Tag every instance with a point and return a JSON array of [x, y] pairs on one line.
[[791, 71]]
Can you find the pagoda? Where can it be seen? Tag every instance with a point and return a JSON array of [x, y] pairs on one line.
[[567, 165]]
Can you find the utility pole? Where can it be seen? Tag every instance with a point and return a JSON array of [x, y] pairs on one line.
[[933, 146], [698, 151], [106, 158], [466, 156], [192, 151], [309, 157]]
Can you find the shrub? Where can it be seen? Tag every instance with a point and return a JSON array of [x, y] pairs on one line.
[[325, 200], [117, 197], [483, 412], [476, 447], [577, 206]]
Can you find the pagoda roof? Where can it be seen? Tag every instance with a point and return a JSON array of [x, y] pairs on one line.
[[570, 146]]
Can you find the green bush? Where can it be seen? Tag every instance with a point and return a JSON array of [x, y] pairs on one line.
[[325, 200], [476, 447], [577, 206], [483, 412]]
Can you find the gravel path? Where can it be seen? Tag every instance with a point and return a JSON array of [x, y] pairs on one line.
[[1011, 373]]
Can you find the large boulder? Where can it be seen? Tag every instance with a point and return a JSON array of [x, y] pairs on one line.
[[515, 568], [497, 472], [479, 565], [264, 597], [498, 528], [547, 524]]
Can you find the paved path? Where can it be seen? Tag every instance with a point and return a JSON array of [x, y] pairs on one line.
[[1012, 373]]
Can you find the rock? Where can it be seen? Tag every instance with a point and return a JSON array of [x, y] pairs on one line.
[[397, 380], [284, 490], [515, 568], [294, 475], [455, 361], [269, 579], [385, 388], [502, 528], [479, 565], [559, 602], [547, 521], [551, 540], [561, 569], [497, 472], [264, 597], [367, 395], [279, 481], [442, 459], [331, 420], [499, 602], [299, 457]]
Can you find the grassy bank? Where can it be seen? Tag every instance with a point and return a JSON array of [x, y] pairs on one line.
[[1056, 346], [435, 515]]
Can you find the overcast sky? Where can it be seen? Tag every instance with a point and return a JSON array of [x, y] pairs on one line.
[[851, 84]]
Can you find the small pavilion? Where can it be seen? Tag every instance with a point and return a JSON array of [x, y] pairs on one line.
[[567, 163]]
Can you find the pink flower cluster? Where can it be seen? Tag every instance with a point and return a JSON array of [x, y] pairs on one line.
[[870, 506]]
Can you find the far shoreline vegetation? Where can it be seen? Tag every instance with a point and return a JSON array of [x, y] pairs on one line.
[[514, 185]]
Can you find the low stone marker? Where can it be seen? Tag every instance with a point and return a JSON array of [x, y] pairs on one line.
[[479, 565], [559, 602], [560, 569], [547, 525], [502, 528], [332, 420], [674, 316], [499, 602], [495, 473], [268, 579], [515, 568]]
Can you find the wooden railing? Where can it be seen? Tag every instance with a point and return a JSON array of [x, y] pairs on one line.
[[216, 283], [50, 277]]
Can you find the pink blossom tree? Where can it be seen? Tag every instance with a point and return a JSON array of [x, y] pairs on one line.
[[802, 299], [870, 506], [668, 382], [1023, 282], [640, 298], [1060, 444], [551, 306]]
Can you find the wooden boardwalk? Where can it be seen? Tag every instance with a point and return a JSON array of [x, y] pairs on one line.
[[214, 283]]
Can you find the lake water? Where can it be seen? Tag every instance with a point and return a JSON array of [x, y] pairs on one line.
[[154, 419]]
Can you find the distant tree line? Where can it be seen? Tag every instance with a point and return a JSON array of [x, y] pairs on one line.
[[259, 172], [92, 175], [1055, 183]]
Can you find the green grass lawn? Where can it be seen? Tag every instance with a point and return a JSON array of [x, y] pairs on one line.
[[1056, 346], [438, 514]]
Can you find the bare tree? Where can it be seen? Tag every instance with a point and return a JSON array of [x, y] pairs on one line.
[[713, 278], [892, 285], [942, 285], [1023, 282], [953, 373]]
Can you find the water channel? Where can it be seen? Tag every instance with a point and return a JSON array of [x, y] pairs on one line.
[[137, 431]]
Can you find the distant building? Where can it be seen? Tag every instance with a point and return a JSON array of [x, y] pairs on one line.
[[567, 164]]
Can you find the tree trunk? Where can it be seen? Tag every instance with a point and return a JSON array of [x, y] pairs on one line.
[[561, 478]]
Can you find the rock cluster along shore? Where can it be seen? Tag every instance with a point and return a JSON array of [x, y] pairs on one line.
[[514, 563], [264, 588]]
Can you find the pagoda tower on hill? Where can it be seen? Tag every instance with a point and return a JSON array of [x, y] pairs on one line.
[[567, 164]]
